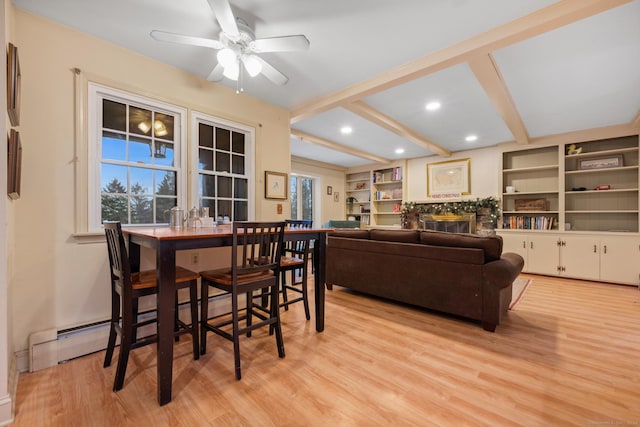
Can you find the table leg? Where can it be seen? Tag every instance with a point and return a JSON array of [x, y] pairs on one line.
[[319, 248], [166, 270]]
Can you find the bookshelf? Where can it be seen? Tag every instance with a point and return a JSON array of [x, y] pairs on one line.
[[358, 196], [387, 194]]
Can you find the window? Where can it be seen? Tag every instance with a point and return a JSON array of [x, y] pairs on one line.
[[136, 167], [224, 152], [301, 189]]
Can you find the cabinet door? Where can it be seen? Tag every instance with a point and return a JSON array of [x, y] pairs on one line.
[[543, 254], [620, 260], [580, 257], [516, 243]]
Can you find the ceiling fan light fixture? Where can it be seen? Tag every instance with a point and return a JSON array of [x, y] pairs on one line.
[[252, 64], [160, 128], [144, 127], [232, 71], [226, 57]]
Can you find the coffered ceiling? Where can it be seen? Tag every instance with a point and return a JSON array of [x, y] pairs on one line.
[[502, 70]]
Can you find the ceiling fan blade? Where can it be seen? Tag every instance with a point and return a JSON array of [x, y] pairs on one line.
[[224, 15], [270, 72], [164, 36], [216, 74], [280, 44]]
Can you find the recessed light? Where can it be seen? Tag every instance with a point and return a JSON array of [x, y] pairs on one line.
[[471, 138], [433, 106], [399, 150], [346, 130]]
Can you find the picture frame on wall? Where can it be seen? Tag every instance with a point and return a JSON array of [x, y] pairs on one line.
[[13, 85], [275, 185], [449, 179], [14, 164]]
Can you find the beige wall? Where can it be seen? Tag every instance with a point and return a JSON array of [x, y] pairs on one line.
[[325, 175], [59, 282]]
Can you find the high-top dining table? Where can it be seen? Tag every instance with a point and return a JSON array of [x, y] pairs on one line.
[[166, 241]]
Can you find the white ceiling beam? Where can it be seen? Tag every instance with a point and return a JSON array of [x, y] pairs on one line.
[[554, 16], [489, 76], [313, 139], [368, 112], [636, 121]]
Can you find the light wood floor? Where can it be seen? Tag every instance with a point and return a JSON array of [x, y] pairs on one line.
[[569, 354]]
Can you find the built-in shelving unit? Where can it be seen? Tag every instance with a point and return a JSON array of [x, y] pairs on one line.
[[387, 196], [358, 197], [530, 183], [601, 185]]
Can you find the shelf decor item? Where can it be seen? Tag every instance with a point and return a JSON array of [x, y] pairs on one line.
[[531, 204], [13, 85], [601, 163], [275, 185], [449, 179]]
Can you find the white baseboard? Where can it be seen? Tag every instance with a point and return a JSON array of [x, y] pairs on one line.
[[48, 348]]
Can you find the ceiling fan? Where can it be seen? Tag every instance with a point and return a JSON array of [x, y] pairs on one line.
[[238, 48]]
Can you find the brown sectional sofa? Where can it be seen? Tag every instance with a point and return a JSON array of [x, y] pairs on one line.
[[460, 274]]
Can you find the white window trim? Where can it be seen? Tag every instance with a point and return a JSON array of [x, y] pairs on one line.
[[96, 92], [198, 117]]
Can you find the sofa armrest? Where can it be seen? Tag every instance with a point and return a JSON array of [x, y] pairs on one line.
[[501, 273]]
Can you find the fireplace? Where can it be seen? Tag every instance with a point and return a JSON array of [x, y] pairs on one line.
[[462, 223]]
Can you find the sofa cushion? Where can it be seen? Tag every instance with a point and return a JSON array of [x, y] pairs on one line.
[[491, 245], [350, 233], [400, 236]]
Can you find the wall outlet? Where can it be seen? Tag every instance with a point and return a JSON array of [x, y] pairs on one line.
[[195, 258]]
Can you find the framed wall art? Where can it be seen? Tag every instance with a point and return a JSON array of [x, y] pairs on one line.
[[601, 163], [275, 185], [13, 85], [14, 165], [449, 179]]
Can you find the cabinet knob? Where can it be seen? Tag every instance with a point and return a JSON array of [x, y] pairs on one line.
[[605, 249], [594, 249]]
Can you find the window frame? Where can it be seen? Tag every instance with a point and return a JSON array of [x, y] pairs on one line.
[[250, 168], [96, 93]]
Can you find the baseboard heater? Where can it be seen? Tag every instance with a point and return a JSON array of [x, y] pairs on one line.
[[50, 347]]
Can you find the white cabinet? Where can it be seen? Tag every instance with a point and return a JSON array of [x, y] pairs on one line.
[[541, 252], [614, 259]]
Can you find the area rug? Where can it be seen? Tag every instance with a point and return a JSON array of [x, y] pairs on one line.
[[518, 289]]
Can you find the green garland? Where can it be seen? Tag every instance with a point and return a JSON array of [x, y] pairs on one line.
[[412, 210]]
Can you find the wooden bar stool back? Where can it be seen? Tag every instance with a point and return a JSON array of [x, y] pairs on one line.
[[255, 265], [126, 289]]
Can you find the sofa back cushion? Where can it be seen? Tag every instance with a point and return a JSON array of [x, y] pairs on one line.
[[399, 236], [350, 233], [491, 245]]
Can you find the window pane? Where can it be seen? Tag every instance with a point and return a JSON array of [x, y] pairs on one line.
[[240, 188], [222, 162], [205, 159], [163, 153], [114, 115], [207, 185], [293, 195], [114, 146], [141, 181], [240, 211], [211, 204], [163, 126], [113, 179], [223, 139], [166, 183], [205, 135], [114, 208], [163, 206], [238, 164], [140, 121], [141, 210], [238, 143], [139, 150], [224, 186], [224, 208], [307, 198]]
